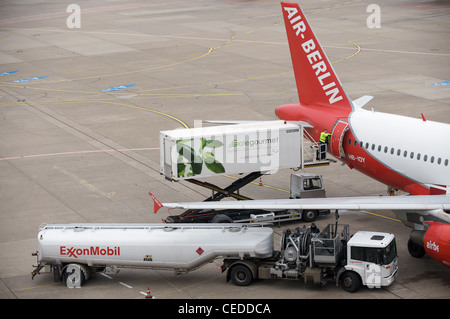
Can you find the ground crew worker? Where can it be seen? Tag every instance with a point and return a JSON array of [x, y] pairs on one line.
[[323, 142], [314, 230]]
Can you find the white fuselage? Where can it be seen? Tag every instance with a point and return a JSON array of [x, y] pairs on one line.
[[416, 149]]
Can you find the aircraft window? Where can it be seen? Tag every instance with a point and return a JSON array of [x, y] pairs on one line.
[[439, 161], [432, 159], [392, 150], [379, 148], [367, 145], [349, 141], [385, 149], [361, 144], [355, 143], [373, 147], [446, 162], [412, 155], [425, 157], [405, 153], [398, 152], [418, 156]]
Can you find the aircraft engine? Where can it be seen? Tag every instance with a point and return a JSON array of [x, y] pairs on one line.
[[435, 242]]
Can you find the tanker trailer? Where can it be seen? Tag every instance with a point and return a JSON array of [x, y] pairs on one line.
[[73, 252]]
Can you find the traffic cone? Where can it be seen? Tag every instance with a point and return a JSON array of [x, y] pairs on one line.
[[148, 296], [260, 182]]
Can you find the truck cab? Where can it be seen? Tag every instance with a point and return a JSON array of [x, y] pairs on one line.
[[307, 185], [373, 257], [366, 258]]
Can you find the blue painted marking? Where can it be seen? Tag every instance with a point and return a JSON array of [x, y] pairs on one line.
[[120, 87], [442, 83], [30, 79], [7, 73]]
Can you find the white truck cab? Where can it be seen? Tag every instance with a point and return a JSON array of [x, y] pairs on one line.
[[373, 256]]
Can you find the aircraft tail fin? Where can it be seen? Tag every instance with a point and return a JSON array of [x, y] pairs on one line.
[[317, 83]]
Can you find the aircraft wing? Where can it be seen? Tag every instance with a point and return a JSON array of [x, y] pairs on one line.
[[299, 123], [395, 203]]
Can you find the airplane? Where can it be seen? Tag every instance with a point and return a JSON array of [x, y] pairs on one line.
[[404, 153]]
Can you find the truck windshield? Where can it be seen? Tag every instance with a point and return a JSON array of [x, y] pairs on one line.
[[382, 256], [312, 183], [389, 253]]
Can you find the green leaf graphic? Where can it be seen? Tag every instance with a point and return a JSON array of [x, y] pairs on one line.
[[215, 167], [213, 143], [181, 168], [212, 164], [195, 160]]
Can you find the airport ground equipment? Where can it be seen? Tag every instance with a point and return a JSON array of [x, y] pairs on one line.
[[263, 146], [367, 258], [75, 252], [251, 148], [302, 185]]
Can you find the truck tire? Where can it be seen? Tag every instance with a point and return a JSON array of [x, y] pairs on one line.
[[75, 275], [350, 281], [241, 275], [309, 215], [415, 250]]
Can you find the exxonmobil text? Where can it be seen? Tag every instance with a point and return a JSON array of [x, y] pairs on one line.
[[91, 251]]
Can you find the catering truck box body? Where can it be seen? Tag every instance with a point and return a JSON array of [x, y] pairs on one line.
[[230, 149]]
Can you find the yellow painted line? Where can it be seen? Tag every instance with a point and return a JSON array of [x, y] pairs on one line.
[[86, 184], [145, 96], [382, 216], [42, 286], [150, 68], [135, 71], [149, 110], [352, 55]]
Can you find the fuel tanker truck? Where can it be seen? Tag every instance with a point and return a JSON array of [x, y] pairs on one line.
[[75, 252]]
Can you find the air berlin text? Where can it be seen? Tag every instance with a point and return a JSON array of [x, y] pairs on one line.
[[91, 251], [314, 57]]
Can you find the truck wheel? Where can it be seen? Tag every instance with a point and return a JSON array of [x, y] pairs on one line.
[[75, 275], [350, 281], [309, 216], [241, 275], [415, 250]]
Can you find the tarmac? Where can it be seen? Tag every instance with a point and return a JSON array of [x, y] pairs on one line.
[[83, 98]]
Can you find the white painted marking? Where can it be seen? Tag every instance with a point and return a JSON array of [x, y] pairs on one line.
[[124, 284], [105, 275]]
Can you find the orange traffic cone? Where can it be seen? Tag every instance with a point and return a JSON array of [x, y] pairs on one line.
[[148, 296]]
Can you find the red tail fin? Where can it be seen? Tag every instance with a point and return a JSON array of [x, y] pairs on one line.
[[317, 83], [156, 203]]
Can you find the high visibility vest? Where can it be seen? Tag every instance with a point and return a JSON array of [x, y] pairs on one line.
[[323, 137]]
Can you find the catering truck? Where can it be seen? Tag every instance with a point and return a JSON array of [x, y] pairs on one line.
[[265, 146], [229, 149], [75, 252]]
